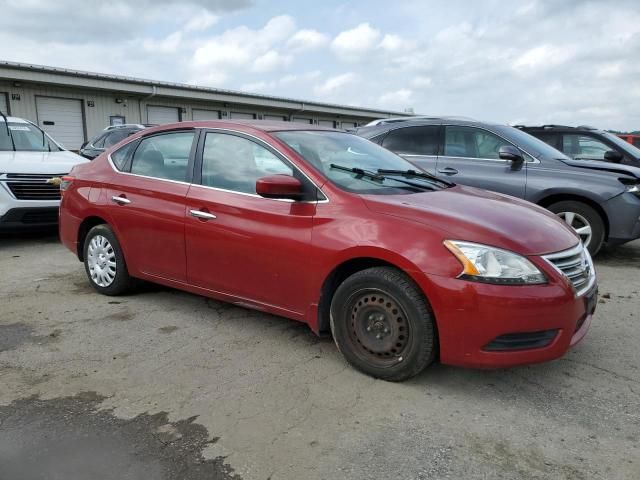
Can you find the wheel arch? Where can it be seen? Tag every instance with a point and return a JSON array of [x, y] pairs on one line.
[[86, 225], [549, 200], [341, 272]]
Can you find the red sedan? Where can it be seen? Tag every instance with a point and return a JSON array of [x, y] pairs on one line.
[[329, 229]]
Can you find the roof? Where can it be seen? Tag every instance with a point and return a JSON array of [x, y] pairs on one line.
[[13, 119], [372, 131], [61, 76], [263, 125]]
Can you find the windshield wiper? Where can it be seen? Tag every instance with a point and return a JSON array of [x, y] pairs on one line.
[[6, 124], [377, 176], [415, 173]]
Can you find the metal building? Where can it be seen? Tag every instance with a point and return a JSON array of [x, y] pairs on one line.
[[72, 105]]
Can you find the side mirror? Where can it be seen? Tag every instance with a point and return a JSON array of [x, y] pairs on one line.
[[511, 153], [279, 186], [613, 156]]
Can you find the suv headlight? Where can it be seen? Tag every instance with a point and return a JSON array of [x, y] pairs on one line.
[[635, 189], [482, 263]]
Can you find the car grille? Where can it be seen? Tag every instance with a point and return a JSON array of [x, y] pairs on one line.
[[576, 265], [29, 186]]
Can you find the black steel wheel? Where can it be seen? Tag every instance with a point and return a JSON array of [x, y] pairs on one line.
[[382, 324]]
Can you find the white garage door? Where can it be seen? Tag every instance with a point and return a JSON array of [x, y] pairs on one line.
[[278, 118], [62, 119], [327, 123], [3, 103], [206, 114], [159, 115], [349, 124], [303, 120], [242, 116]]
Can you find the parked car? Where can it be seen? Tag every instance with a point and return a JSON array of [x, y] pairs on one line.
[[29, 160], [108, 138], [633, 139], [587, 143], [327, 228], [599, 200]]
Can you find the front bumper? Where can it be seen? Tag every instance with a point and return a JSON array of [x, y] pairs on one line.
[[29, 218], [471, 317], [623, 213]]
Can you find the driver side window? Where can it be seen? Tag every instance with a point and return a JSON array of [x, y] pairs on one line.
[[235, 163], [470, 142]]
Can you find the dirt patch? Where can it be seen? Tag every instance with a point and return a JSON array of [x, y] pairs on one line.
[[14, 335]]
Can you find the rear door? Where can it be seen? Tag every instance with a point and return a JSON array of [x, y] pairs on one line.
[[147, 202], [419, 145], [237, 242], [470, 157]]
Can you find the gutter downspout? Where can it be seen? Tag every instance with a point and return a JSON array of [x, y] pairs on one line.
[[154, 90]]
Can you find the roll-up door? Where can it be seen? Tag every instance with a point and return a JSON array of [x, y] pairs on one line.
[[277, 118], [3, 103], [159, 115], [327, 123], [242, 116], [62, 119], [303, 120], [200, 114], [349, 124]]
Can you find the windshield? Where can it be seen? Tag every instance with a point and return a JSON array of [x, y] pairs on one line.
[[334, 154], [25, 137], [529, 143], [626, 146]]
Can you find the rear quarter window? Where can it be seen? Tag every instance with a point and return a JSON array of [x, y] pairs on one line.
[[120, 157]]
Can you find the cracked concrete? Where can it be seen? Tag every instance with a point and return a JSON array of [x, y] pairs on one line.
[[282, 403]]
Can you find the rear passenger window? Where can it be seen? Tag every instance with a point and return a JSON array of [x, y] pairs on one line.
[[413, 140], [163, 156]]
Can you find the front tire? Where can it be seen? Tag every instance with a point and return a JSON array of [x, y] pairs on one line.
[[585, 220], [383, 325], [104, 262]]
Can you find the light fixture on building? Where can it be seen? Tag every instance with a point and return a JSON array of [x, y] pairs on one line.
[[119, 100]]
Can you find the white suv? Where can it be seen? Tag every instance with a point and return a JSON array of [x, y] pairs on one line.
[[29, 159]]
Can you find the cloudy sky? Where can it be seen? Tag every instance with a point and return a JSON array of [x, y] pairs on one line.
[[532, 61]]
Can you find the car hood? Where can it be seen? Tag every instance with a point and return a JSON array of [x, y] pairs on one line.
[[605, 167], [39, 162], [474, 215]]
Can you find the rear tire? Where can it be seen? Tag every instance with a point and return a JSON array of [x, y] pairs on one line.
[[104, 262], [383, 325], [585, 220]]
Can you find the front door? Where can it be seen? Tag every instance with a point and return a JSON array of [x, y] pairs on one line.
[[237, 242], [147, 204], [470, 157]]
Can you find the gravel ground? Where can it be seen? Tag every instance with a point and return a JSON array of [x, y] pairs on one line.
[[163, 384]]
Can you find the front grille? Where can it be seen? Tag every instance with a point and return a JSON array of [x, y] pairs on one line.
[[30, 186], [576, 265]]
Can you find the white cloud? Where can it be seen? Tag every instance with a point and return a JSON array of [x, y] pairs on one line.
[[353, 44], [333, 84], [397, 99], [270, 61], [201, 22], [392, 43], [543, 57], [421, 82], [170, 44], [307, 40]]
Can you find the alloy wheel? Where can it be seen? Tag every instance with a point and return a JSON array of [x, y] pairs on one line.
[[580, 224]]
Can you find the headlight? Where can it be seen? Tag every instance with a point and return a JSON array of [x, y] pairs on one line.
[[482, 263], [635, 189]]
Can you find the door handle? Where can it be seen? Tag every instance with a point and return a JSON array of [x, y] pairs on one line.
[[120, 200], [448, 171], [202, 215]]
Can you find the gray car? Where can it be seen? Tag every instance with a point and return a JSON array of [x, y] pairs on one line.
[[600, 200]]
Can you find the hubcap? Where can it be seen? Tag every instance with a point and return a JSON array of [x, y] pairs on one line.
[[379, 330], [101, 260], [580, 224]]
